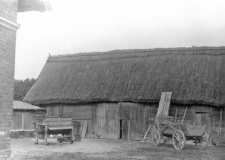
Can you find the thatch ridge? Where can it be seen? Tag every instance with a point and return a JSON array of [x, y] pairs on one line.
[[141, 50], [134, 53], [194, 75]]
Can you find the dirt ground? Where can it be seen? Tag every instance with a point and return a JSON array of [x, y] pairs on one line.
[[102, 149]]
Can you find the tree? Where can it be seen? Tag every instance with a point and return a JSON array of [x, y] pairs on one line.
[[21, 87]]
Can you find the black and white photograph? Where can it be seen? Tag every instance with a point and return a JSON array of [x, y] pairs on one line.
[[112, 80]]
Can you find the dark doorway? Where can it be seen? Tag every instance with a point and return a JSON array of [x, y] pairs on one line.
[[123, 129]]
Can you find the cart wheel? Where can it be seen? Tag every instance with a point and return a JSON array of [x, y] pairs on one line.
[[203, 143], [178, 140], [156, 137]]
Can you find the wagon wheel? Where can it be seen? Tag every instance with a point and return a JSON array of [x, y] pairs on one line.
[[203, 143], [178, 140], [156, 137]]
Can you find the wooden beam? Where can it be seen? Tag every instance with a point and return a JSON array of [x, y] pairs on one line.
[[184, 115], [23, 121], [175, 119], [128, 136]]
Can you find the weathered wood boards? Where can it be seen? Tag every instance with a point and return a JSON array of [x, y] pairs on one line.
[[24, 120], [84, 129], [103, 119], [164, 103]]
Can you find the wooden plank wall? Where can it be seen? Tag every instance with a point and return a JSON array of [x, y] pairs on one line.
[[17, 121], [189, 117], [28, 120], [39, 116], [216, 120], [223, 124], [23, 120], [108, 116], [150, 112], [80, 113], [104, 118], [107, 120], [73, 111], [134, 113]]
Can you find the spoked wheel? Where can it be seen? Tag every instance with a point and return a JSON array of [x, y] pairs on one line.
[[203, 143], [156, 137], [178, 140]]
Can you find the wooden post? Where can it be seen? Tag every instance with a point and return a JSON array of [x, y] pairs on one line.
[[221, 114], [128, 136], [46, 134], [184, 115], [23, 121], [175, 119], [209, 122]]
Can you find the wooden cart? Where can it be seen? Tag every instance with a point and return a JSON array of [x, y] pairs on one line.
[[165, 128], [55, 126]]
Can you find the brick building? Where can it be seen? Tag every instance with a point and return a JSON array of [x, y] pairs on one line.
[[8, 28]]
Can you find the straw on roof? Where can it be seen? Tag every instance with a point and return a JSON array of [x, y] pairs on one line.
[[19, 105], [194, 75]]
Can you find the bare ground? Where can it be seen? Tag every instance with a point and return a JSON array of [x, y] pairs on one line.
[[102, 149]]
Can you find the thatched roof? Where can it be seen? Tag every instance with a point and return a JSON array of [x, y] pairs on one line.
[[194, 75]]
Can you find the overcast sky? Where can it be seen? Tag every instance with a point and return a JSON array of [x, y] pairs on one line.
[[74, 26]]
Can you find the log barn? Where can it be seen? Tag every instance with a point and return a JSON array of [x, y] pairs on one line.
[[116, 92]]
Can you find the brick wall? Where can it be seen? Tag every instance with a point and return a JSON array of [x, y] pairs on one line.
[[8, 9]]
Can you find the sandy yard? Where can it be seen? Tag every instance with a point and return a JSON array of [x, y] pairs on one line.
[[25, 149]]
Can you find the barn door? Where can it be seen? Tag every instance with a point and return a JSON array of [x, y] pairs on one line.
[[124, 129]]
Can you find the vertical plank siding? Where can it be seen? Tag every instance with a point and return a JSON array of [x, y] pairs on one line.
[[104, 118], [17, 121], [23, 120], [107, 120], [133, 112], [216, 119]]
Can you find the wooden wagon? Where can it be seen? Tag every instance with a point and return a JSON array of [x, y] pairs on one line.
[[61, 127], [165, 127]]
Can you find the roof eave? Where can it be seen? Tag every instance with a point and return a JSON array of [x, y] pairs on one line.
[[152, 101]]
